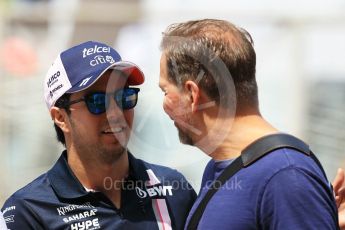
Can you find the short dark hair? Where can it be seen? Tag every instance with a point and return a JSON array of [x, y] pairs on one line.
[[203, 41], [62, 103]]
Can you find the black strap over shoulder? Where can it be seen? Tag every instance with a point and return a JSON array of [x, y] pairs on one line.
[[267, 144], [250, 155]]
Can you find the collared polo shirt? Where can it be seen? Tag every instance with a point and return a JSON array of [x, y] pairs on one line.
[[152, 197]]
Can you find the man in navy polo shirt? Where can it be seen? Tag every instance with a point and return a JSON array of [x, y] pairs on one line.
[[97, 183]]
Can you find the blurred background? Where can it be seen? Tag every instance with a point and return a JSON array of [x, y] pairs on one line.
[[300, 49]]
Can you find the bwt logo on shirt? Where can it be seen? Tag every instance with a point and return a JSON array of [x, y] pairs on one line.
[[154, 191]]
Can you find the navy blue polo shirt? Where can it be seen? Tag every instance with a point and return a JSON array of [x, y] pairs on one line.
[[152, 197]]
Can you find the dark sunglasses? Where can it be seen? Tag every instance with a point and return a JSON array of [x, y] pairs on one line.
[[98, 102]]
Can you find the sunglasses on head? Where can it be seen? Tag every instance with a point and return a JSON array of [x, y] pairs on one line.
[[98, 102]]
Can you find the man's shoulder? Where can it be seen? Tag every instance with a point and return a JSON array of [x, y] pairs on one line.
[[36, 189], [283, 158], [280, 160], [295, 179]]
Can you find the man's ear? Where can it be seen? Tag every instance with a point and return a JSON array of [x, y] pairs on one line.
[[60, 118], [193, 92]]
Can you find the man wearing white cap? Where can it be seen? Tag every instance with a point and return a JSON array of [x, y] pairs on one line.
[[97, 183]]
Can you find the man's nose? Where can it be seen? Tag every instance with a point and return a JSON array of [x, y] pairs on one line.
[[113, 110]]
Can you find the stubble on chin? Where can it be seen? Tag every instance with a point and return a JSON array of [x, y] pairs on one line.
[[184, 137], [183, 131], [111, 156], [99, 152]]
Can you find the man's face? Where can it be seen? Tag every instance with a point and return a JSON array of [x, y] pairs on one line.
[[104, 136], [176, 105]]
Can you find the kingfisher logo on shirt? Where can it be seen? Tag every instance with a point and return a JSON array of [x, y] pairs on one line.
[[154, 191], [66, 209]]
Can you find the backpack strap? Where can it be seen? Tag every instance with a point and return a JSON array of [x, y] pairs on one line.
[[228, 172], [249, 156], [267, 144]]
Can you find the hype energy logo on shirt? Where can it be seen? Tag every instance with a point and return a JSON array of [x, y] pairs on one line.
[[102, 55], [86, 225], [154, 192]]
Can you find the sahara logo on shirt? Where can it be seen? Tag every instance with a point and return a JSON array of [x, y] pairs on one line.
[[80, 216], [154, 191]]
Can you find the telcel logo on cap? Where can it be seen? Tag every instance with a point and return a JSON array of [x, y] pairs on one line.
[[95, 49]]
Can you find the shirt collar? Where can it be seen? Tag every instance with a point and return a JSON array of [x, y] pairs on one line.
[[63, 180], [137, 169], [67, 185]]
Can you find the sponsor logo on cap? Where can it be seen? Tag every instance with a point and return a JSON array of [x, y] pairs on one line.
[[99, 59], [94, 50], [85, 81], [51, 92], [53, 79]]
